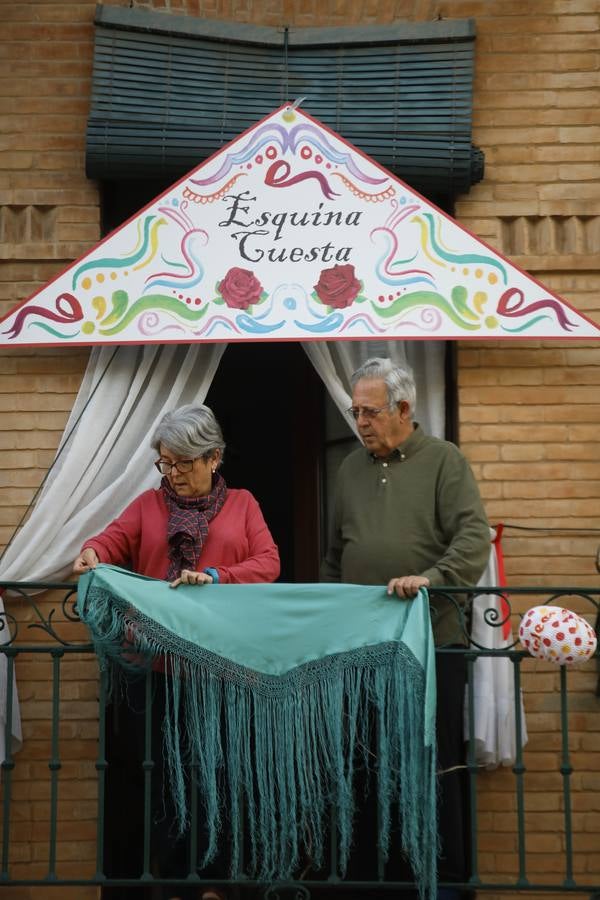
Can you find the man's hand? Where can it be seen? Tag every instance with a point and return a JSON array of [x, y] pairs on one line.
[[85, 561], [407, 586], [188, 576]]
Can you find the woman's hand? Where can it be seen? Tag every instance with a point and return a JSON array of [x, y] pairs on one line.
[[407, 586], [188, 576], [85, 561]]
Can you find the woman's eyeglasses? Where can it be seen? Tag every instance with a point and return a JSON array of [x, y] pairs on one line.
[[181, 465]]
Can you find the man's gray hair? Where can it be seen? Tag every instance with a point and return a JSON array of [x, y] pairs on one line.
[[190, 431], [400, 382]]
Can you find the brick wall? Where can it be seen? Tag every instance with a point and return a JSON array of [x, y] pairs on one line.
[[49, 215], [529, 412], [529, 423]]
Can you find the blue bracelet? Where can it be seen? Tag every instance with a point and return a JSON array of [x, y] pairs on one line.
[[213, 573]]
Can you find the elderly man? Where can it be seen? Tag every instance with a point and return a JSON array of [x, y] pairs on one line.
[[408, 514]]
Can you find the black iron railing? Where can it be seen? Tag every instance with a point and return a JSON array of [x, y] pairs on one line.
[[59, 649]]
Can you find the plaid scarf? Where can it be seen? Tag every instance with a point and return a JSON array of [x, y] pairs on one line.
[[187, 528]]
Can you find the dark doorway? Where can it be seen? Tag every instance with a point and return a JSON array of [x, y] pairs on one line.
[[269, 401]]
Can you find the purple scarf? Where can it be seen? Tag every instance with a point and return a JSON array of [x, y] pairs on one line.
[[187, 528]]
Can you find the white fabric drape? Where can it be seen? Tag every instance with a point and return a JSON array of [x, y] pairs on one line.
[[105, 461], [335, 361], [495, 732]]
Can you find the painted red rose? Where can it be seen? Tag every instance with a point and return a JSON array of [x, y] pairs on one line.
[[240, 288], [338, 286]]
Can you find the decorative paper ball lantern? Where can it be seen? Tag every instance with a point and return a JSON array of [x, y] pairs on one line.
[[557, 635]]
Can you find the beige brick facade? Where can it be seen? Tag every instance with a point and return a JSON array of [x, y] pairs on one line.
[[529, 412]]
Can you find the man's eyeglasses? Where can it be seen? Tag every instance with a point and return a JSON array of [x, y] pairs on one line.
[[367, 412], [182, 466]]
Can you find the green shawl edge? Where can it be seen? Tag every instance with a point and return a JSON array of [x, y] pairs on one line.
[[285, 748]]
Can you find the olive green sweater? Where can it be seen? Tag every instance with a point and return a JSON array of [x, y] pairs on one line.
[[418, 512]]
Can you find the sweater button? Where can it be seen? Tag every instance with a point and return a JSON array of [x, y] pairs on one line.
[[384, 480]]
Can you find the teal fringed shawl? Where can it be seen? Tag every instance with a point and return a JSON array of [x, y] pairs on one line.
[[272, 691]]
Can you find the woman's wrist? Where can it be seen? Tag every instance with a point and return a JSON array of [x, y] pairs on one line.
[[213, 574]]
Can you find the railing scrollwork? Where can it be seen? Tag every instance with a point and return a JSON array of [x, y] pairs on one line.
[[494, 604], [47, 621]]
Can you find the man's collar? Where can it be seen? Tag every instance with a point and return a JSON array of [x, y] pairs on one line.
[[404, 450]]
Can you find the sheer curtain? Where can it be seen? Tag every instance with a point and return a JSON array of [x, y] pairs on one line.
[[335, 361], [106, 460], [103, 462]]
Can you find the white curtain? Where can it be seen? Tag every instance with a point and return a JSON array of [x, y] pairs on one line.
[[104, 461], [335, 361], [494, 723]]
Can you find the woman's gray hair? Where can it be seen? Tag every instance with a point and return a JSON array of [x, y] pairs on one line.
[[400, 382], [190, 431]]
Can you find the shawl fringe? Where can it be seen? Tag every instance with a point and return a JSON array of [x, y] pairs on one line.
[[281, 751]]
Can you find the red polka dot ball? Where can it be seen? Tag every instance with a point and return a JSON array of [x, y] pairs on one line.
[[557, 635]]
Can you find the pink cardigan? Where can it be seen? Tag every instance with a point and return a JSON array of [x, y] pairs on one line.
[[239, 544]]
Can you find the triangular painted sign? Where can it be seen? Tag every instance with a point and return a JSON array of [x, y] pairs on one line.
[[290, 233]]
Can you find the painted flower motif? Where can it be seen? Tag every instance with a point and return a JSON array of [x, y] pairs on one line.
[[240, 288], [338, 286]]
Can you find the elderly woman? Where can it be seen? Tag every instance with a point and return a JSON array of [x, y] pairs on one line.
[[190, 530]]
